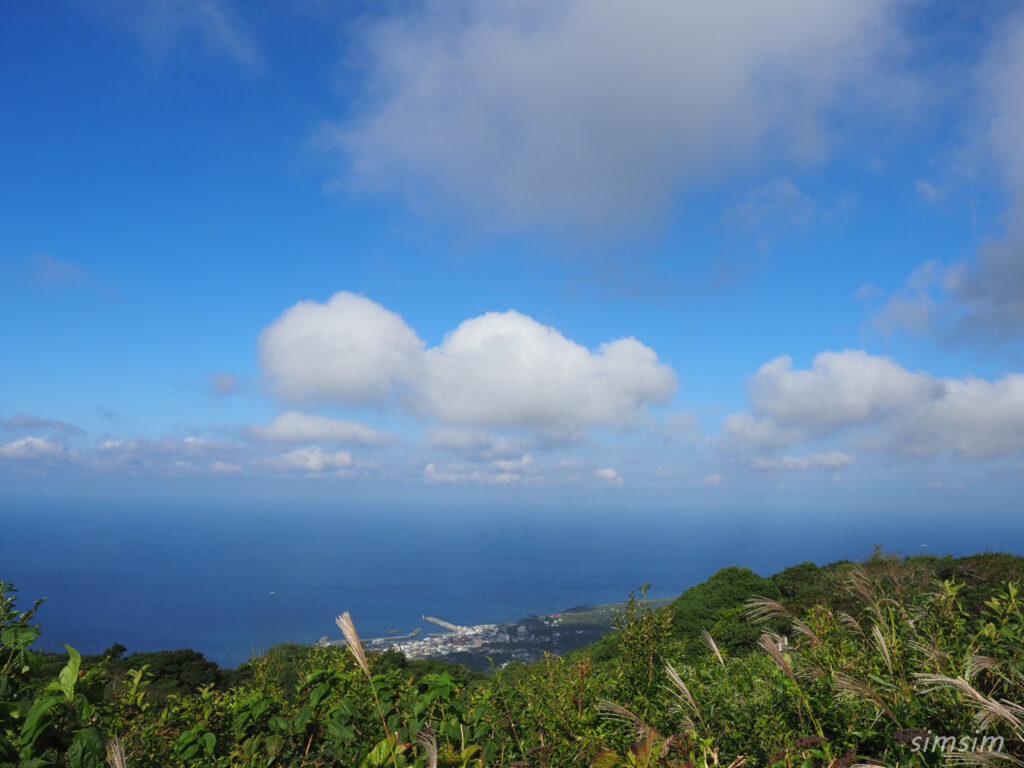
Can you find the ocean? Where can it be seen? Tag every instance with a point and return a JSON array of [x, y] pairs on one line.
[[231, 581]]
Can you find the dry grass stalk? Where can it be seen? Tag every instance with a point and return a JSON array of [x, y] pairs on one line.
[[989, 709], [883, 647], [860, 583], [851, 622], [932, 652], [855, 688], [711, 644], [771, 642], [761, 609], [987, 758], [612, 711], [348, 629], [682, 692], [977, 664], [426, 739], [115, 754], [803, 629]]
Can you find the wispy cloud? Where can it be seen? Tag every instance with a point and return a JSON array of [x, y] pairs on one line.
[[163, 25], [543, 113], [22, 421]]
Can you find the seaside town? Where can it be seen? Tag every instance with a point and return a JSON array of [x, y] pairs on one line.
[[478, 646]]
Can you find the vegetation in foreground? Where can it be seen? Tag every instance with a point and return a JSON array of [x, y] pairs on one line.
[[916, 661]]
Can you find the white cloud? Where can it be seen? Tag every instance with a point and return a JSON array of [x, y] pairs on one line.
[[969, 417], [840, 388], [500, 472], [506, 369], [298, 427], [522, 464], [889, 409], [713, 480], [349, 350], [502, 369], [31, 448], [608, 475], [311, 459], [832, 460], [543, 112]]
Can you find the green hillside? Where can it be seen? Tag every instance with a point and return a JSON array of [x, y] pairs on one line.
[[916, 661]]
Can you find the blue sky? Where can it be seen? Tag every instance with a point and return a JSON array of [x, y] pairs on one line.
[[651, 255]]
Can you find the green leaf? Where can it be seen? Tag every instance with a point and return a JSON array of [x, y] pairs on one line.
[[340, 731], [37, 720], [19, 638], [209, 742], [317, 694], [86, 750], [302, 717], [69, 675], [380, 753], [275, 743], [606, 760]]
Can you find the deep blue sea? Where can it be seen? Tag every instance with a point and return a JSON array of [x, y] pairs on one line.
[[228, 582]]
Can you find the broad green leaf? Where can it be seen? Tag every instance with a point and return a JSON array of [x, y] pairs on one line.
[[381, 752], [275, 743], [87, 750], [37, 720], [69, 675], [317, 694]]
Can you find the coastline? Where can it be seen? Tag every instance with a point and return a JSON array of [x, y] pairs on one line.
[[481, 646]]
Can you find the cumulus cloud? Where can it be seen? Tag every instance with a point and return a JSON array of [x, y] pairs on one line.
[[541, 113], [22, 421], [968, 417], [502, 369], [840, 388], [506, 369], [349, 350], [31, 447], [298, 427], [889, 408]]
